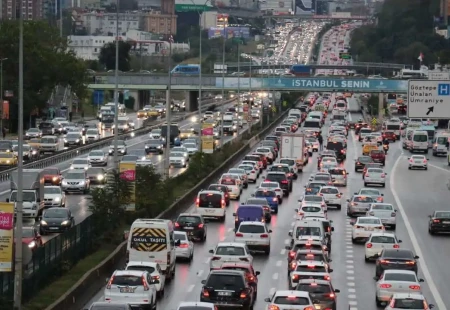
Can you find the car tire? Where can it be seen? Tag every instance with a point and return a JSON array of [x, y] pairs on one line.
[[409, 168], [379, 304], [426, 168], [353, 240], [267, 251], [356, 170], [222, 219], [203, 239], [339, 207], [430, 231]]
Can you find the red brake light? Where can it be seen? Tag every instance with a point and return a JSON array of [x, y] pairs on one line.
[[411, 263], [284, 182], [338, 195], [295, 277], [184, 245], [243, 295], [396, 246], [264, 236], [291, 254], [293, 265], [384, 262], [275, 199], [110, 282], [200, 225], [205, 293], [197, 202], [326, 278], [436, 221], [332, 295], [239, 235], [176, 224], [369, 245], [383, 175], [385, 286], [415, 287]]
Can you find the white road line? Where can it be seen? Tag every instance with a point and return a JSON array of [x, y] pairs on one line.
[[351, 296], [351, 278], [199, 273], [351, 290], [283, 252], [272, 291], [275, 276], [352, 303], [349, 255], [279, 263], [351, 284], [440, 168], [350, 272], [287, 241], [208, 260], [439, 302], [191, 288]]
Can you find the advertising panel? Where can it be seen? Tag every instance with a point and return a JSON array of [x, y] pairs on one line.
[[231, 32], [277, 7], [192, 6], [304, 7], [128, 173], [5, 109], [207, 138], [233, 4], [341, 15], [6, 236]]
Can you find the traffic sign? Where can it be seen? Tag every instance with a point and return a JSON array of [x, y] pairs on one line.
[[374, 121], [278, 95], [428, 99], [274, 109], [345, 56]]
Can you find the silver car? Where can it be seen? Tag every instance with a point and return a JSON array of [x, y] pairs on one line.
[[75, 181], [177, 159], [183, 150], [385, 212], [98, 158], [359, 205], [375, 176], [371, 192], [338, 176], [396, 281]]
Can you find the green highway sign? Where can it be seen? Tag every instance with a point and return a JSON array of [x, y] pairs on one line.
[[345, 56]]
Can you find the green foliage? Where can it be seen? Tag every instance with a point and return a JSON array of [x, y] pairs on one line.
[[108, 56], [108, 205], [47, 62], [403, 31]]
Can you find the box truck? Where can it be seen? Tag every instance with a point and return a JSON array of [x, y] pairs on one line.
[[293, 146]]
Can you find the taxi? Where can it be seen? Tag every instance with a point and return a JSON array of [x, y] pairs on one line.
[[186, 133], [35, 143], [7, 159], [141, 114], [368, 147]]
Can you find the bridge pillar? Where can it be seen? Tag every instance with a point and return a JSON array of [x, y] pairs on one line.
[[381, 106], [191, 98]]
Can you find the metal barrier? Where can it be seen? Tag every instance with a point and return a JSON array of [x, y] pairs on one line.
[[68, 154]]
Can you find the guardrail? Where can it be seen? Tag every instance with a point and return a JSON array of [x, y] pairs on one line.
[[65, 155], [95, 278]]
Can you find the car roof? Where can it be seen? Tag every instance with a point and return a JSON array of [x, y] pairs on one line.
[[399, 271], [137, 273], [142, 263], [292, 293]]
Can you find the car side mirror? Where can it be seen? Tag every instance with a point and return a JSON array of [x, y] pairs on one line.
[[431, 306], [7, 199], [416, 257], [234, 214], [348, 200], [428, 215], [355, 193], [290, 233], [263, 177], [211, 251], [375, 278], [332, 228], [268, 300], [421, 280], [203, 282], [257, 273], [385, 173], [337, 290], [287, 247], [409, 158], [330, 270], [270, 231], [253, 195], [296, 210]]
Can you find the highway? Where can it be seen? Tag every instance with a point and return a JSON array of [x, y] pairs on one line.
[[78, 203], [352, 275]]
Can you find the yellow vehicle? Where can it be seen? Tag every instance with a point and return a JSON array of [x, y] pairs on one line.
[[142, 114], [8, 159], [35, 143], [368, 147], [153, 113]]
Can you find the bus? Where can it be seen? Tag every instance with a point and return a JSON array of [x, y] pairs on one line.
[[186, 70]]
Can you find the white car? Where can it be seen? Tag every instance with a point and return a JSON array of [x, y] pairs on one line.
[[417, 162], [183, 150], [379, 241], [309, 270], [189, 305], [309, 211], [98, 158], [313, 200], [412, 301], [191, 148], [229, 252], [267, 152], [33, 133], [80, 163], [155, 273], [177, 159], [291, 162], [394, 281], [375, 176], [365, 226], [254, 164], [235, 176], [332, 196], [144, 161], [54, 197], [186, 248], [288, 300], [378, 137], [134, 287], [326, 166], [92, 135], [385, 212], [252, 174], [155, 134], [255, 235], [315, 144], [273, 186]]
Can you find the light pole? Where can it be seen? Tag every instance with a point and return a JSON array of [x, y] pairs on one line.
[[60, 18], [116, 94], [223, 82], [1, 89], [168, 113], [19, 201]]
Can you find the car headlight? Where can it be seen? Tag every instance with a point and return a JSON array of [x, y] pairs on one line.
[[132, 134], [77, 140], [34, 152], [122, 150], [82, 183], [65, 223], [44, 223], [125, 127], [159, 146], [86, 168], [100, 177], [65, 140], [57, 199], [32, 244], [8, 161]]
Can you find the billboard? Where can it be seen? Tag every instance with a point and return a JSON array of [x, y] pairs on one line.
[[6, 236], [341, 15], [192, 6], [233, 4], [304, 7], [277, 7], [231, 32], [128, 173]]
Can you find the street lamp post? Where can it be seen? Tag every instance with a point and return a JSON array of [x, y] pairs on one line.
[[1, 89], [116, 93], [223, 83]]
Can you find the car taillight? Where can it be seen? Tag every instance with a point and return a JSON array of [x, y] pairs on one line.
[[343, 151], [215, 258], [295, 277], [223, 203], [291, 254], [332, 295], [110, 282], [284, 182], [380, 199], [197, 202], [396, 246], [239, 235], [201, 225], [415, 287], [144, 283], [411, 161], [385, 286], [264, 236], [260, 163], [177, 224], [366, 175], [184, 245], [410, 263], [369, 245], [308, 308], [326, 278], [384, 262], [253, 171], [424, 161], [205, 293], [393, 214], [358, 163], [243, 295], [155, 277], [275, 199], [383, 175], [293, 265], [436, 221], [273, 307]]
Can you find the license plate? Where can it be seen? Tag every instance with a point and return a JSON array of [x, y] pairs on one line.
[[327, 201], [417, 162], [53, 228], [251, 242], [189, 228], [224, 293], [368, 229], [383, 220], [446, 222], [209, 211], [127, 289]]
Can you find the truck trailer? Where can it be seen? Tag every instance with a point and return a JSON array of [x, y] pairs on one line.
[[33, 192]]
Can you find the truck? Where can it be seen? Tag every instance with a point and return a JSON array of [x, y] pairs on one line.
[[33, 192], [300, 70], [293, 146]]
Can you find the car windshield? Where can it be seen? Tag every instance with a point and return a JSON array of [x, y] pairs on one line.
[[291, 300], [27, 196], [74, 176], [383, 239], [269, 184], [290, 162], [230, 250], [50, 171], [52, 190], [329, 190], [149, 269], [73, 136], [127, 280], [190, 145], [307, 231], [176, 154], [131, 158], [210, 200], [229, 282], [408, 303], [256, 201], [252, 229], [311, 209], [312, 198], [56, 213], [398, 254], [189, 219], [314, 288], [311, 268], [236, 171], [180, 236], [322, 178], [372, 221], [154, 142], [96, 153], [194, 307], [442, 215], [246, 167], [265, 193], [364, 199], [95, 170], [369, 192], [92, 131], [279, 168], [394, 276], [156, 131]]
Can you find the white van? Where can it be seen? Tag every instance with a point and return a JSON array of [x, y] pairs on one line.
[[151, 240], [211, 203], [419, 141], [306, 228], [440, 142]]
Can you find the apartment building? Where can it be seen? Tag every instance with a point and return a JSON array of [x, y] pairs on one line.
[[100, 23], [31, 9]]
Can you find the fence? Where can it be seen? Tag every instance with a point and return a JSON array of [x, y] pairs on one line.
[[51, 260]]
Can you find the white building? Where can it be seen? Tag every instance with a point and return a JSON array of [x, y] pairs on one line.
[[88, 47], [99, 23]]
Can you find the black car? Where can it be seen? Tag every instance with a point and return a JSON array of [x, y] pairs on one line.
[[403, 259], [193, 224], [229, 288], [283, 168], [439, 222], [222, 188], [338, 148], [322, 292], [96, 175], [72, 139], [313, 188], [56, 220], [261, 202], [361, 161], [154, 146], [282, 179]]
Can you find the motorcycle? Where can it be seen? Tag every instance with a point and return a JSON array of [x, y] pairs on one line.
[[386, 148]]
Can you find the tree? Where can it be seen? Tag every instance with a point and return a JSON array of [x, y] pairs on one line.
[[150, 203], [108, 204], [108, 56], [47, 63]]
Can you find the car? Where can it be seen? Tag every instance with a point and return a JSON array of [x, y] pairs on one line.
[[364, 227], [242, 173], [222, 188], [255, 235], [417, 162], [251, 274], [378, 156], [267, 153], [185, 249], [98, 158], [361, 161], [282, 179], [278, 167], [439, 222], [31, 237], [263, 203], [33, 133], [252, 174], [234, 184], [291, 163], [154, 271], [226, 252], [254, 164], [177, 159], [196, 305], [136, 287], [295, 300], [52, 176], [322, 292], [271, 196], [183, 150], [80, 164], [306, 255], [76, 181], [306, 211], [192, 148], [309, 270], [332, 196], [375, 176], [193, 224], [393, 258], [396, 281], [56, 219], [102, 305], [371, 192], [54, 196], [313, 188], [229, 288], [73, 139], [92, 135], [322, 177], [121, 148], [390, 136], [273, 186], [379, 241], [338, 176], [413, 301], [316, 200], [97, 175], [385, 212], [315, 143], [154, 146], [130, 159]]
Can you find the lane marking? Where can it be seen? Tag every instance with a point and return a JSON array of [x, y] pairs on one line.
[[190, 288], [208, 260], [275, 276], [351, 290], [352, 303], [439, 302], [272, 291], [283, 252], [287, 241], [440, 168], [351, 296], [279, 263], [200, 272]]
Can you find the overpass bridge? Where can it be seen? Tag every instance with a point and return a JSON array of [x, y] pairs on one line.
[[315, 65], [190, 84]]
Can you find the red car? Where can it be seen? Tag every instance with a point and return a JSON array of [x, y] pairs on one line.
[[378, 156], [31, 237], [52, 175], [390, 135]]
